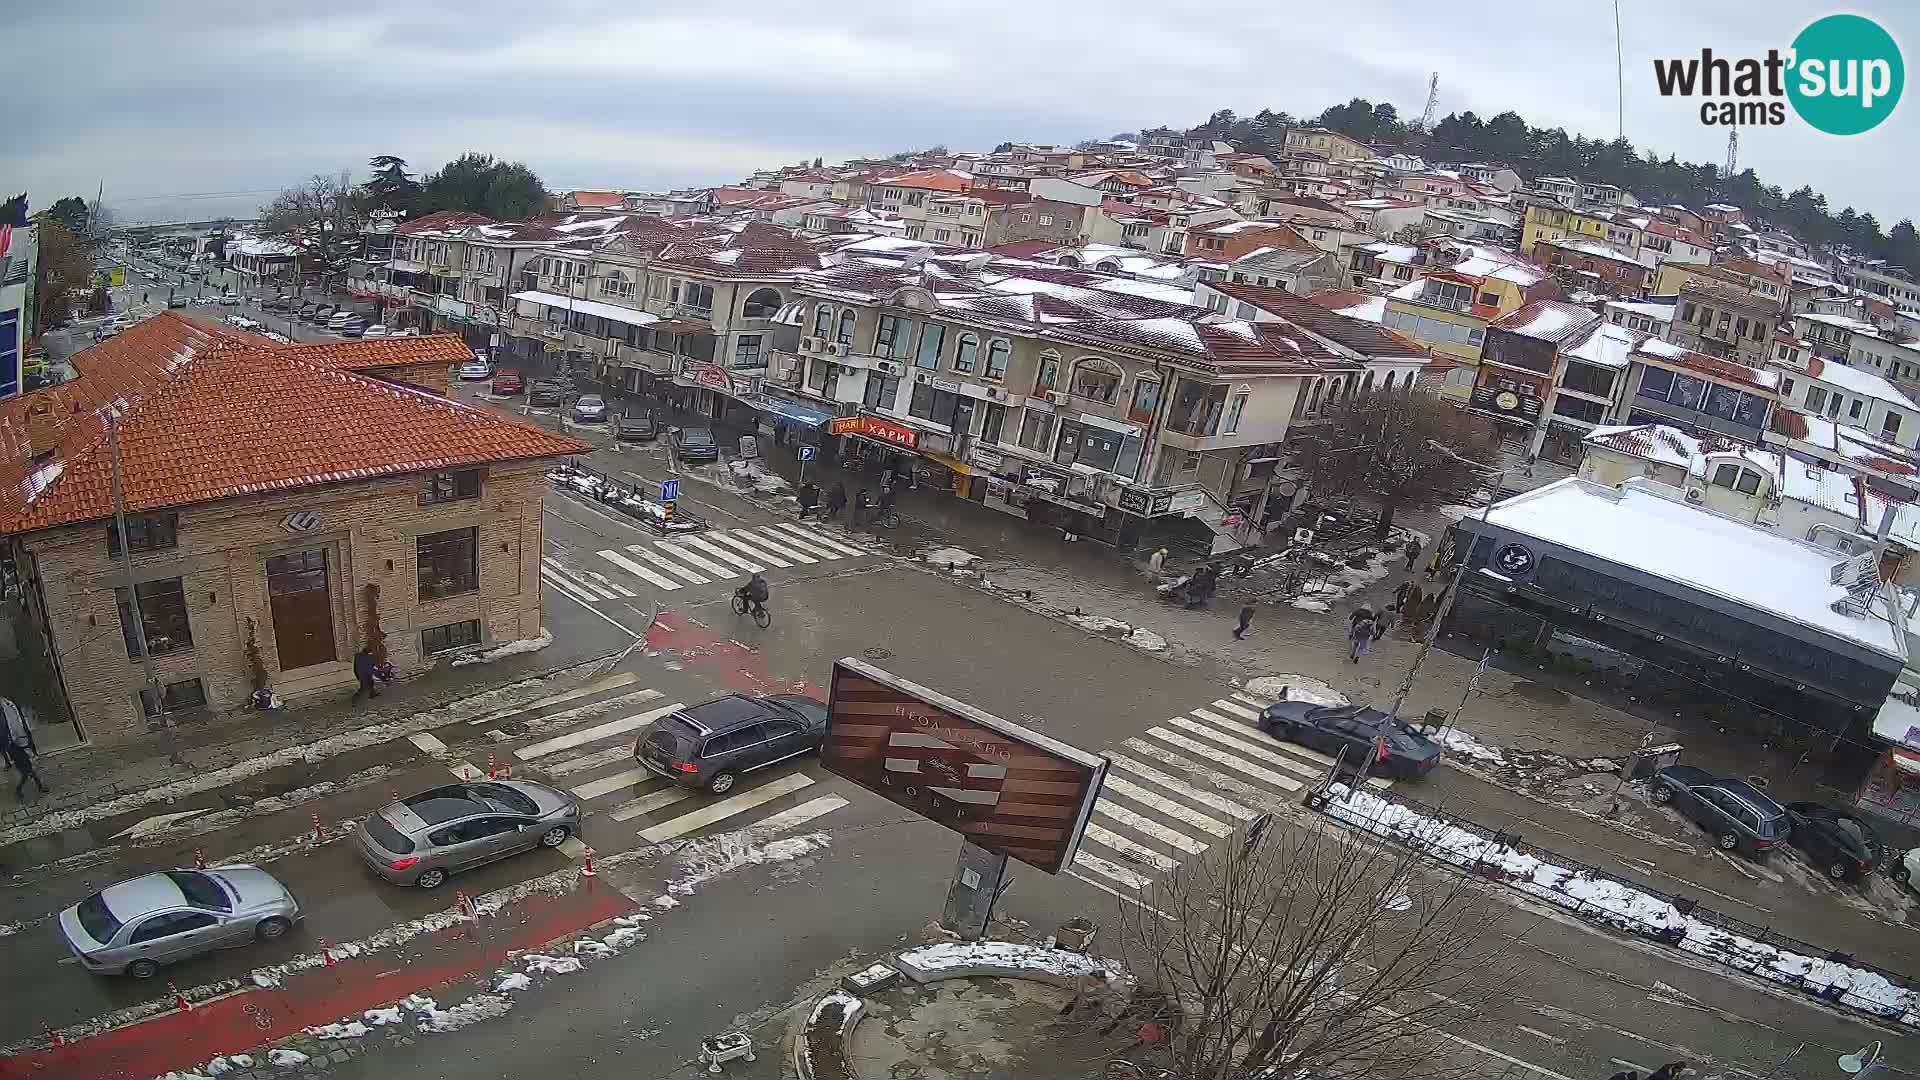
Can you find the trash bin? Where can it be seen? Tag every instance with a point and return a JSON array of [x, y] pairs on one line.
[[1075, 935]]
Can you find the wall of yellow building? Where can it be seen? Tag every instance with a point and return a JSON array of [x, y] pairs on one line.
[[1462, 351], [1674, 276]]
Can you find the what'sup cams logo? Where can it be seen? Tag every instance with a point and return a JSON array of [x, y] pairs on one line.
[[1843, 75]]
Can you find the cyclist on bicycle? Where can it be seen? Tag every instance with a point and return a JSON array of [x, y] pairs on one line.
[[756, 590]]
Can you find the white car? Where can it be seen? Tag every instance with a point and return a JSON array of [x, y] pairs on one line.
[[376, 330], [1906, 870]]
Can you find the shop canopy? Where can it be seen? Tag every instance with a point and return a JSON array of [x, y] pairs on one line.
[[805, 415], [612, 312]]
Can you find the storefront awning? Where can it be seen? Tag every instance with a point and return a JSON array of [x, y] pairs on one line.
[[610, 312], [796, 412]]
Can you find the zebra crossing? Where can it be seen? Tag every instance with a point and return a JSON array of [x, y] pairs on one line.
[[583, 752], [714, 555], [1185, 784]]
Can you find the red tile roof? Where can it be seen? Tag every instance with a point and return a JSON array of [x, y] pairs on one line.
[[371, 354], [1022, 249], [441, 221], [211, 414], [597, 198]]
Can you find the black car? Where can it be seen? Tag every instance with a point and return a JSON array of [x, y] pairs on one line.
[[636, 427], [1740, 816], [710, 744], [544, 393], [1357, 730], [696, 444], [1839, 843]]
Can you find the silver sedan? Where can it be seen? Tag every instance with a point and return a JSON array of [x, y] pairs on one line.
[[137, 926]]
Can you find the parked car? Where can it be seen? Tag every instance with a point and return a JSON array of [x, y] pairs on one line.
[[710, 744], [696, 444], [341, 317], [176, 301], [544, 393], [1906, 869], [1358, 731], [444, 830], [143, 923], [376, 330], [1740, 816], [1842, 845], [508, 382], [590, 409], [353, 327], [230, 299], [636, 427], [474, 370], [305, 311]]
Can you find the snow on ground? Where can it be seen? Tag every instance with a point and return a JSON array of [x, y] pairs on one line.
[[1625, 907], [958, 955], [1309, 604], [515, 981], [1291, 687], [1459, 742], [1142, 638], [950, 557], [1099, 624], [352, 1029], [502, 651], [287, 1059]]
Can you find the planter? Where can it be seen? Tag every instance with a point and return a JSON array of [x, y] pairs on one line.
[[820, 1049]]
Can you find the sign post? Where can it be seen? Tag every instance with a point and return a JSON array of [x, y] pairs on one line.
[[977, 881], [806, 455], [669, 494]]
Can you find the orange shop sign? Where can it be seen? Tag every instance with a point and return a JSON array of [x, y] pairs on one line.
[[874, 427]]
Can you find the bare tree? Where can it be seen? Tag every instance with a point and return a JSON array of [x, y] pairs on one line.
[[323, 216], [1402, 450], [1302, 952]]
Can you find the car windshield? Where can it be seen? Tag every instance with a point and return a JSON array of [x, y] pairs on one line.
[[502, 797], [95, 918], [201, 890], [697, 437], [591, 403]]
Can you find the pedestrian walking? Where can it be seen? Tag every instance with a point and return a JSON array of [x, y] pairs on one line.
[[1360, 637], [862, 502], [15, 724], [1400, 594], [1670, 1071], [1246, 619], [1157, 560], [809, 498], [1413, 553], [364, 669], [17, 756], [836, 499]]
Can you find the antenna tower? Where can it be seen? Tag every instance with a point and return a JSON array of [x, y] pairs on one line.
[[1733, 151], [1433, 102]]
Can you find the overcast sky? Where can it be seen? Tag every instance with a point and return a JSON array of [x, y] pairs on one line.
[[165, 100]]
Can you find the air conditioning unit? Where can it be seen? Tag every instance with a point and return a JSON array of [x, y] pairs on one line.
[[1695, 494], [837, 349], [890, 367], [921, 376], [809, 344], [1057, 397]]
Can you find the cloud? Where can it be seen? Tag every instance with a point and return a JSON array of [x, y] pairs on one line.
[[224, 96]]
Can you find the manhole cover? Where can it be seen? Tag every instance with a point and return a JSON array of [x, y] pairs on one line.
[[876, 653], [1758, 781]]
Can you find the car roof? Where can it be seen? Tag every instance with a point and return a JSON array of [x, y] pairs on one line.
[[1689, 774], [139, 896], [443, 804], [1760, 799], [584, 398], [723, 713]]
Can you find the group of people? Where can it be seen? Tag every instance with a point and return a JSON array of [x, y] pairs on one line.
[[864, 502], [1673, 1070], [16, 744]]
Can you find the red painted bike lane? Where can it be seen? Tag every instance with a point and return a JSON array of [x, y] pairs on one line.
[[247, 1021]]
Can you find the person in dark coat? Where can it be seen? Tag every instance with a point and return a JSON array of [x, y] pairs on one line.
[[17, 755], [862, 502], [836, 499], [809, 498], [1400, 594], [364, 668], [1670, 1071], [1413, 553], [1246, 619]]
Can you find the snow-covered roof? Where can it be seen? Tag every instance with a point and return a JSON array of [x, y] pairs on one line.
[[1387, 251], [1858, 381], [1546, 320], [1656, 312], [1644, 532], [1608, 346]]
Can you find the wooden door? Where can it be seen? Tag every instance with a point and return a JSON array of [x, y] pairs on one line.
[[302, 608]]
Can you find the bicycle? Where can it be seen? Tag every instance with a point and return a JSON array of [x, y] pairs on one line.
[[742, 604]]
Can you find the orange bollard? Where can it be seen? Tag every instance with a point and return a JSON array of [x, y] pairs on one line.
[[463, 904], [180, 1000], [319, 831], [326, 954], [493, 771], [588, 870]]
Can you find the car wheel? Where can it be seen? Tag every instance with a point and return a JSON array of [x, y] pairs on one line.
[[1662, 794], [1901, 874], [720, 783], [431, 879], [272, 928], [555, 836], [1729, 841], [143, 969], [1839, 870]]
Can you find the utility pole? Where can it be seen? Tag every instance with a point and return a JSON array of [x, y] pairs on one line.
[[1453, 589], [1733, 152], [168, 740]]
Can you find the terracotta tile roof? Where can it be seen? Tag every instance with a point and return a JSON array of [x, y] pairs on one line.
[[1361, 336], [368, 354], [441, 221], [597, 198], [210, 414], [1021, 249], [930, 180]]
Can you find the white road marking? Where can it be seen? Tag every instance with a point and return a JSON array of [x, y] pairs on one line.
[[820, 538], [588, 761], [1537, 1033], [604, 582], [647, 804], [639, 571], [1179, 787], [811, 547], [589, 710], [668, 565], [556, 571], [1104, 836], [726, 808], [1186, 815], [1173, 838], [575, 591], [800, 815], [668, 546], [732, 542], [610, 682], [722, 554], [1228, 705], [572, 848], [771, 543], [1111, 872], [1117, 894], [1239, 765], [595, 733], [1272, 757], [427, 741], [617, 782]]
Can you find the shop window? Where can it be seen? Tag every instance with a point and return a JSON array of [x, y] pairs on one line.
[[938, 406], [964, 352], [173, 697], [439, 639], [882, 390], [1036, 431], [997, 351], [450, 486], [449, 563], [146, 532], [163, 617]]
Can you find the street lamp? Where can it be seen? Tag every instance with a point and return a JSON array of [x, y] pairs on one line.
[[1459, 574], [1864, 1062]]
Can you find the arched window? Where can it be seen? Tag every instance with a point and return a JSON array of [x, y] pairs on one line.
[[1366, 385], [1313, 396], [762, 304], [997, 351], [965, 351], [845, 336], [1048, 375], [1096, 379], [1388, 385], [823, 321]]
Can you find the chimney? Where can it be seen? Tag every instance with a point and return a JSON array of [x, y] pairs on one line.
[[43, 433]]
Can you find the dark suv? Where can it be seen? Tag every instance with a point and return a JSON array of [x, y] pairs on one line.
[[1740, 816], [710, 744], [544, 393]]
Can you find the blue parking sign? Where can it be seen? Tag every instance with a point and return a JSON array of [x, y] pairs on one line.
[[806, 453], [669, 490]]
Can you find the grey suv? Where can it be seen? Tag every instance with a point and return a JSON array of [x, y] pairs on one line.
[[442, 831], [1740, 816], [712, 743]]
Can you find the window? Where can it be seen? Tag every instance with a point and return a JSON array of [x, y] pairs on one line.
[[997, 351], [1036, 431], [698, 296], [892, 336], [1048, 376], [173, 697], [1748, 483], [1024, 218], [1786, 388], [146, 532], [933, 338], [163, 617], [881, 391], [1726, 475], [1890, 424], [845, 337], [1816, 398], [1046, 219], [1686, 312], [1239, 405], [172, 924], [1489, 299], [450, 486], [939, 406], [449, 562], [761, 304], [1096, 380], [996, 419], [943, 235], [438, 639], [964, 352], [746, 351], [1740, 328], [1244, 310]]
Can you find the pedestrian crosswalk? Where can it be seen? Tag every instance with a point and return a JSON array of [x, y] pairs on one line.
[[1187, 783], [714, 555]]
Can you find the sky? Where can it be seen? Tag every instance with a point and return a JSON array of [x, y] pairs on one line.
[[202, 108]]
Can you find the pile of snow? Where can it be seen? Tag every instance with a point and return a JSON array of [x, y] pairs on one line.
[[552, 965], [1143, 638], [1296, 688], [1466, 745], [1305, 603], [506, 649], [435, 1020], [709, 857], [1002, 955], [950, 557], [752, 474], [1099, 624], [513, 982], [352, 1029], [287, 1059], [1624, 907], [383, 1017]]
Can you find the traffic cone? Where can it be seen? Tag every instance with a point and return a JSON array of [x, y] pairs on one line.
[[588, 870], [463, 905], [180, 1000], [199, 858], [319, 831], [53, 1034], [493, 771], [326, 954]]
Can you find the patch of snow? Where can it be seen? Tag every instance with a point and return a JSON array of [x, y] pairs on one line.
[[950, 556], [513, 982], [434, 1019], [590, 947], [552, 965], [1290, 687], [623, 937], [952, 955], [265, 979], [383, 1017], [1308, 604], [502, 651], [1460, 742], [1100, 624], [709, 857], [286, 1059], [665, 901], [352, 1029], [1142, 638]]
